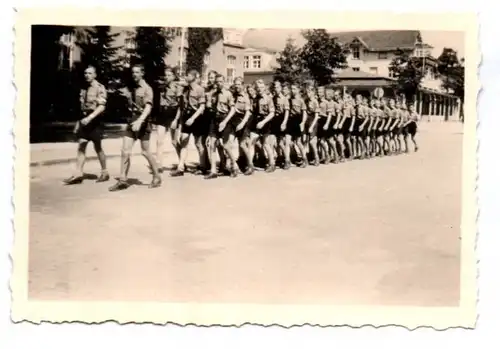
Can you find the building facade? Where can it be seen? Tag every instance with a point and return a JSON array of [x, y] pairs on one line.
[[369, 59], [259, 63]]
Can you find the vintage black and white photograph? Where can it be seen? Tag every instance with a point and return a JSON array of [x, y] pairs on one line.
[[211, 165]]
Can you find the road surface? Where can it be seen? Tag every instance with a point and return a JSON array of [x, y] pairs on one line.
[[376, 232]]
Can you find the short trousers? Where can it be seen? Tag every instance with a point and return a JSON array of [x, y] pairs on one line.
[[346, 127], [235, 122], [265, 130], [144, 133], [93, 131], [200, 127], [165, 117], [293, 126], [225, 133], [322, 133], [412, 128], [277, 121], [314, 131]]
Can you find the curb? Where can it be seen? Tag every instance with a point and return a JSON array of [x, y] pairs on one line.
[[52, 162]]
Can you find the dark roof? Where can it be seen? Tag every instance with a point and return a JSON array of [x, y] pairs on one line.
[[375, 40], [382, 40]]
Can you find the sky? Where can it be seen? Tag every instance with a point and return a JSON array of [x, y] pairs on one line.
[[437, 39], [442, 39]]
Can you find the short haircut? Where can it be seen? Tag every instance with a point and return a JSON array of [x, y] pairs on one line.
[[238, 78], [140, 66], [193, 72], [212, 72], [90, 66]]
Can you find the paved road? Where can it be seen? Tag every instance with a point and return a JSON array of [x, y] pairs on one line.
[[381, 231]]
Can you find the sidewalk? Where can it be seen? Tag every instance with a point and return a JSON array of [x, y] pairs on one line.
[[46, 154]]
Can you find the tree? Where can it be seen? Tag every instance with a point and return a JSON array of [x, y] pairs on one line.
[[291, 67], [408, 72], [322, 55], [452, 72], [152, 45], [98, 50], [199, 41]]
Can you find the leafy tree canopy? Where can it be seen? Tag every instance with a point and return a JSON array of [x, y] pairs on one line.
[[322, 55]]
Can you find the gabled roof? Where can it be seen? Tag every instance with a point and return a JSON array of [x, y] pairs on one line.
[[382, 40], [374, 40]]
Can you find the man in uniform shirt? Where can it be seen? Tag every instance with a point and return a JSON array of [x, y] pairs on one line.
[[411, 125], [350, 120], [324, 116], [192, 122], [329, 125], [140, 102], [312, 109], [169, 108], [264, 113], [240, 121], [280, 120], [359, 128], [222, 129], [89, 128], [392, 121], [297, 122], [338, 125]]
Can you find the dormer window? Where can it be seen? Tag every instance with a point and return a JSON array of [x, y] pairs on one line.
[[355, 52]]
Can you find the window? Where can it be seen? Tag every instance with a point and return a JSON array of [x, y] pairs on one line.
[[355, 69], [230, 75], [246, 62], [383, 55], [355, 52], [391, 74], [256, 62], [374, 70], [231, 60]]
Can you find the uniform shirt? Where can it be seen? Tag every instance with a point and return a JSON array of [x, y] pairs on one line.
[[312, 106], [413, 116], [405, 115], [264, 105], [325, 107], [242, 103], [92, 97], [222, 101], [348, 110], [392, 112], [209, 96], [338, 108], [360, 111], [281, 103], [170, 96], [297, 106], [194, 97], [140, 96]]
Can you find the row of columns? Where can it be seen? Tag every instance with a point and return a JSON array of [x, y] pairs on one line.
[[438, 107]]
